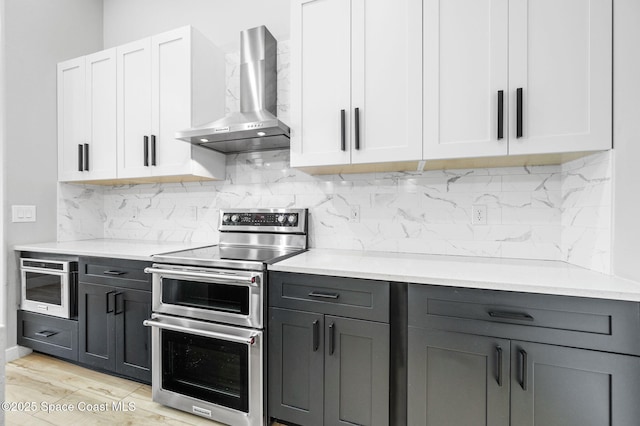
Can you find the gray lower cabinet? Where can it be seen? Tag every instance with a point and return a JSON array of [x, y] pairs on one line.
[[559, 386], [49, 335], [328, 370], [457, 379], [328, 353], [111, 335], [468, 364]]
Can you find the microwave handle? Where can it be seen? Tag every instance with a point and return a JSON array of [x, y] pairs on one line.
[[204, 333], [218, 278]]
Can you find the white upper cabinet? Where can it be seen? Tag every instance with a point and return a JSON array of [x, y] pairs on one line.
[[87, 117], [167, 83], [516, 77], [118, 110], [560, 55], [356, 81]]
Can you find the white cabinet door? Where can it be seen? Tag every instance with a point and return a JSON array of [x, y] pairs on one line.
[[386, 80], [321, 82], [170, 101], [560, 56], [134, 109], [72, 115], [101, 107], [465, 67]]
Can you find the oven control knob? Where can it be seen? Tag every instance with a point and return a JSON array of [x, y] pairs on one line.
[[225, 218], [235, 218], [280, 218], [292, 218]]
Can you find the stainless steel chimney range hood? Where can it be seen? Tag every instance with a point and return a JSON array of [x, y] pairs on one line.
[[255, 127]]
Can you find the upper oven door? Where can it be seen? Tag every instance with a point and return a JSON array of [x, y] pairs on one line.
[[232, 297]]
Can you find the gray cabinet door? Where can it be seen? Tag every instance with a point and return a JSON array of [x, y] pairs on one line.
[[296, 370], [558, 386], [356, 372], [457, 379], [96, 327], [133, 340]]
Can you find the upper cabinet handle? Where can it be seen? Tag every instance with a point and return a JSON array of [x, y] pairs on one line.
[[519, 96], [343, 137], [357, 125], [146, 150], [86, 157], [153, 150], [80, 157], [500, 114]]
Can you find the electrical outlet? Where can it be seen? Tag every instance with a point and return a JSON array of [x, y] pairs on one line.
[[479, 215], [355, 214]]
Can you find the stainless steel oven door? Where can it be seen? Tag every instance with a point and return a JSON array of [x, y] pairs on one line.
[[212, 370], [221, 295], [46, 287]]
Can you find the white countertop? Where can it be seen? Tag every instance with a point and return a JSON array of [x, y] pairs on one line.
[[529, 276], [119, 249]]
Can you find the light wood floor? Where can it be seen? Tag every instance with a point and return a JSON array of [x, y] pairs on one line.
[[40, 379]]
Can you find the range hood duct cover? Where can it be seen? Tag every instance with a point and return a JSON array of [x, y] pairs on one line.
[[255, 127]]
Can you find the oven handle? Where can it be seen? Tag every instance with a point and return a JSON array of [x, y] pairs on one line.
[[222, 336], [218, 278]]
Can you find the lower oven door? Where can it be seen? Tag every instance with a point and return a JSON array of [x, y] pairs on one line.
[[221, 295], [212, 370]]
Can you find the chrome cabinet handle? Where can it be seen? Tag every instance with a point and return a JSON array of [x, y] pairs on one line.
[[222, 336], [252, 280]]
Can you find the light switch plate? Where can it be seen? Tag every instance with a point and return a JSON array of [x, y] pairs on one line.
[[23, 213]]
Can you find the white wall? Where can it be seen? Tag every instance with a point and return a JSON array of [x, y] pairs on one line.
[[38, 35], [626, 122], [219, 20]]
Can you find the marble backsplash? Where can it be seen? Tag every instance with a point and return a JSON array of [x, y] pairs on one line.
[[546, 212], [558, 212]]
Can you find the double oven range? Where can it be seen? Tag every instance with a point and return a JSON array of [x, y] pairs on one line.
[[209, 304]]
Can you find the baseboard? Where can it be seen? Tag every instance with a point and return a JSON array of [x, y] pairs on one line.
[[16, 352]]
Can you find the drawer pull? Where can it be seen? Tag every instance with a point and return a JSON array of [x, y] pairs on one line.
[[46, 333], [114, 273], [324, 295], [521, 316]]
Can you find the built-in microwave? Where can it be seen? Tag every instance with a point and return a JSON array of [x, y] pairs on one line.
[[49, 287]]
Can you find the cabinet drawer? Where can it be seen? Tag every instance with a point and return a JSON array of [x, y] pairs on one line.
[[347, 297], [115, 272], [51, 335], [609, 325]]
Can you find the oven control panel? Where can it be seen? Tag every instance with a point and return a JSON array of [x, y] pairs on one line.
[[265, 220], [260, 219]]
